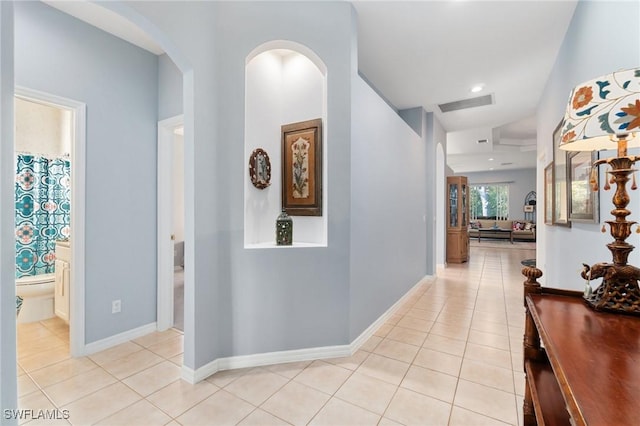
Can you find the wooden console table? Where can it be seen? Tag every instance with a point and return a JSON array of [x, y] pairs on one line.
[[587, 370]]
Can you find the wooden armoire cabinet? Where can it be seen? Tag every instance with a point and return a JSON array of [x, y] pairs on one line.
[[457, 219]]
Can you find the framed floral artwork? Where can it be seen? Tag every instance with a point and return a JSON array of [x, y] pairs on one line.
[[302, 168]]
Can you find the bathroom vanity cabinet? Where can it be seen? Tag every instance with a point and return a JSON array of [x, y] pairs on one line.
[[63, 281]]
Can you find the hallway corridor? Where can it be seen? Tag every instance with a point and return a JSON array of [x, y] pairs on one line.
[[451, 355]]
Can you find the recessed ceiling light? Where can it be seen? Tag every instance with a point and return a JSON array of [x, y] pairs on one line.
[[490, 168], [477, 88], [490, 159]]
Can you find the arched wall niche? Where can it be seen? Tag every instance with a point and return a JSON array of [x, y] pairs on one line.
[[285, 82], [301, 49]]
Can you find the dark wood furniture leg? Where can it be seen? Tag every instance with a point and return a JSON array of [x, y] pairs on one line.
[[531, 342]]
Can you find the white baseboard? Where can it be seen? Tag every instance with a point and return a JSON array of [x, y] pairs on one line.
[[194, 376], [117, 339], [268, 358], [366, 334]]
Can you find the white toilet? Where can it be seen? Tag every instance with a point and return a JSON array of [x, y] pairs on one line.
[[37, 292]]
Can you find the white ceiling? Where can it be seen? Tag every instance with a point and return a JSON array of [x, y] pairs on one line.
[[424, 53]]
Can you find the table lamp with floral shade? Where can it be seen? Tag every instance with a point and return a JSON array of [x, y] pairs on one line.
[[604, 114]]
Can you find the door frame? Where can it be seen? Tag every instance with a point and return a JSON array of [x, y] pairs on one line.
[[165, 221], [77, 344], [440, 212]]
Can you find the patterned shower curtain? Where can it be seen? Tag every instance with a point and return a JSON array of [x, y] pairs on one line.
[[42, 197]]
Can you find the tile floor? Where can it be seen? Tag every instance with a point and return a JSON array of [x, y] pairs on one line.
[[451, 355]]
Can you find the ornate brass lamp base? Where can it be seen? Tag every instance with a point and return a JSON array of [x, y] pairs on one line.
[[618, 292]]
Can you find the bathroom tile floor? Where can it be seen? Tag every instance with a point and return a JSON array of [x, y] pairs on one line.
[[451, 355]]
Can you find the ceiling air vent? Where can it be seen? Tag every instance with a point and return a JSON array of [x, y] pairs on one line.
[[467, 103], [482, 141], [506, 164]]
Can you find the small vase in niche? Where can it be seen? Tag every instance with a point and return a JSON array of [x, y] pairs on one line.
[[284, 229]]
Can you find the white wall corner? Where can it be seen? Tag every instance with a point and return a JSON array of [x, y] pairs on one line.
[[194, 376]]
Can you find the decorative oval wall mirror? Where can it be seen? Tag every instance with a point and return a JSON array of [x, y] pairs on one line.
[[260, 168]]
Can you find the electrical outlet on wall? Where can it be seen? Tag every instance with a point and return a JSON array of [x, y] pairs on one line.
[[116, 306]]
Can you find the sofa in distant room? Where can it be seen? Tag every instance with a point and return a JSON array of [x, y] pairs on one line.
[[522, 230]]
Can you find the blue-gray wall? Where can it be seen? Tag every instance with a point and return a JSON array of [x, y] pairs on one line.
[[435, 138], [414, 117], [242, 301], [57, 54], [255, 301], [8, 381], [520, 182], [427, 126], [294, 298], [261, 300], [603, 37], [388, 208]]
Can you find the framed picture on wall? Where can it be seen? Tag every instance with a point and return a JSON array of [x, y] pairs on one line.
[[560, 188], [302, 168], [584, 203], [548, 194], [260, 168]]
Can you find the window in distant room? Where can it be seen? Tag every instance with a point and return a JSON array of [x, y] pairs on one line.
[[489, 201]]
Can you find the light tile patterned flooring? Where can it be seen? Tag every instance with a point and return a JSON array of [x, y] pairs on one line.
[[451, 355]]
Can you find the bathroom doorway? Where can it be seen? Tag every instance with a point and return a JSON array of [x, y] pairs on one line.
[[171, 224], [49, 148]]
